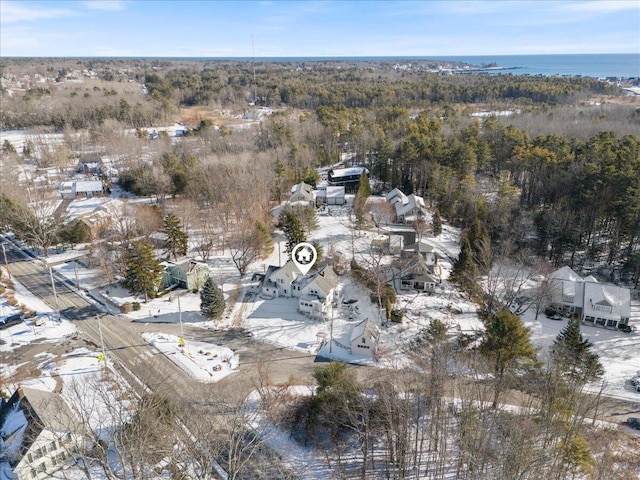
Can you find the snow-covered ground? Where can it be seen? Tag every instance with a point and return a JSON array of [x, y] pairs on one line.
[[203, 361], [45, 326], [277, 321]]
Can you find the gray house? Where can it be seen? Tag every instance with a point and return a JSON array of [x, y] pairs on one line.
[[188, 273]]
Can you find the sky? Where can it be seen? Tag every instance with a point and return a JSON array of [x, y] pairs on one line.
[[338, 28]]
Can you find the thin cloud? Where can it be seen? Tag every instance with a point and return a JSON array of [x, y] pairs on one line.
[[105, 5], [13, 12], [599, 6]]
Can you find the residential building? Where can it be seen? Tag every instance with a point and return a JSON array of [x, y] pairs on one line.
[[86, 188], [349, 178], [301, 192], [425, 250], [327, 195], [188, 273], [407, 207], [596, 303], [417, 275], [37, 434], [315, 291]]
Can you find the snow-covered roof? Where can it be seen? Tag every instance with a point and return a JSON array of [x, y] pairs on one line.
[[334, 192], [422, 246], [84, 186], [302, 189], [565, 273], [598, 294], [364, 328], [348, 172]]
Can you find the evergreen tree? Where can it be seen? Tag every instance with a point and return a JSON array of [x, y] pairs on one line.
[[465, 271], [177, 240], [437, 223], [364, 192], [290, 224], [211, 300], [144, 273], [573, 356], [506, 341]]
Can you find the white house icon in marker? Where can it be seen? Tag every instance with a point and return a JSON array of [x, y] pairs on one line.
[[304, 255]]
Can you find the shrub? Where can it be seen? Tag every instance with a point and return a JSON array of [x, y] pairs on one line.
[[136, 306], [125, 307], [397, 315], [12, 301]]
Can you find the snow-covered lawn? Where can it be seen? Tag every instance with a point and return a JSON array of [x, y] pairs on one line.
[[203, 361]]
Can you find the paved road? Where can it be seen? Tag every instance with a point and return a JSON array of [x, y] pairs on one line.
[[125, 346]]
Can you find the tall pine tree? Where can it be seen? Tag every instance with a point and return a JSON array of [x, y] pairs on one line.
[[573, 355], [211, 300], [144, 273], [437, 223], [177, 239], [292, 228]]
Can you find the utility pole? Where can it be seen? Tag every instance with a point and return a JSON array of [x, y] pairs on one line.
[[4, 252], [55, 294], [104, 357]]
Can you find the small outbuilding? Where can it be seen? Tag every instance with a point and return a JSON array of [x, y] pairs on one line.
[[364, 338]]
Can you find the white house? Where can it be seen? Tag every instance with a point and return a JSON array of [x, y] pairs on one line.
[[315, 291], [606, 305], [364, 338], [595, 303], [36, 434], [301, 192], [277, 280], [407, 207]]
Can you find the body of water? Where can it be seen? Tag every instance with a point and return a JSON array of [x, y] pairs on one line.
[[625, 65]]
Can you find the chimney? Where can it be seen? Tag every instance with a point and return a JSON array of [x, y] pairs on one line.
[[20, 392]]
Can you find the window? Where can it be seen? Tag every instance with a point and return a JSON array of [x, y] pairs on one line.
[[603, 308], [568, 298]]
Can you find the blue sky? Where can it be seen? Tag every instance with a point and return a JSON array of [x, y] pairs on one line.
[[316, 28]]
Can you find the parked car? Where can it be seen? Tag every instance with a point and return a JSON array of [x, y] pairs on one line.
[[634, 422], [635, 381], [555, 316], [550, 311], [10, 320], [625, 328]]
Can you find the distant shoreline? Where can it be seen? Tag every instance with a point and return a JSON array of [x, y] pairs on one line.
[[601, 66]]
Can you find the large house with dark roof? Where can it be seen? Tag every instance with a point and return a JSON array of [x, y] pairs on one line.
[[349, 178]]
